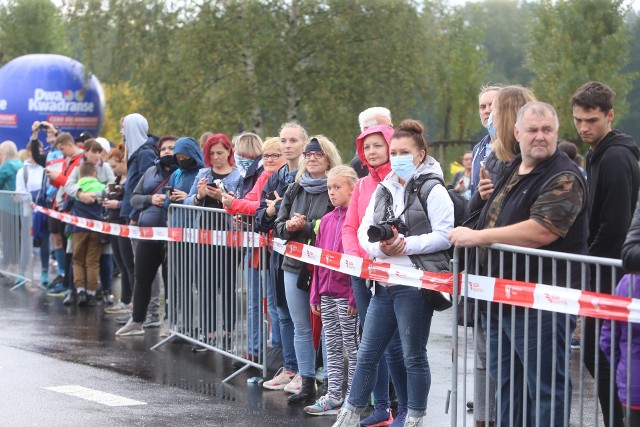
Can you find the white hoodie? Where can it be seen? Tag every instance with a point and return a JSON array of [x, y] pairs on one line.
[[440, 212], [33, 178]]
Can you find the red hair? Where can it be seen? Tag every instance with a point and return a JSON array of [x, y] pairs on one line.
[[217, 138]]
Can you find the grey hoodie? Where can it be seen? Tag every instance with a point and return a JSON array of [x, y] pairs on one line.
[[135, 132]]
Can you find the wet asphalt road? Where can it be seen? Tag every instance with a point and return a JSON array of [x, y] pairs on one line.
[[44, 344]]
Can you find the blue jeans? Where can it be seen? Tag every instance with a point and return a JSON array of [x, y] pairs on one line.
[[394, 310], [516, 337], [254, 327], [286, 333], [300, 309], [272, 309], [391, 361]]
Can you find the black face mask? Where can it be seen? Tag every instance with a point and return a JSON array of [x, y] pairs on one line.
[[189, 163], [166, 160]]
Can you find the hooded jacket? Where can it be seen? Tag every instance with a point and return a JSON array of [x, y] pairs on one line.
[[620, 343], [183, 179], [631, 247], [141, 155], [326, 281], [135, 132], [439, 215], [150, 215], [363, 191], [614, 179]]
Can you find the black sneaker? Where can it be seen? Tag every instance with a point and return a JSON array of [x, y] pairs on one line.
[[82, 299], [69, 298], [91, 300]]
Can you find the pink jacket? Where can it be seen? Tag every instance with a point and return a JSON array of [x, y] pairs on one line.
[[326, 281], [251, 201], [362, 193]]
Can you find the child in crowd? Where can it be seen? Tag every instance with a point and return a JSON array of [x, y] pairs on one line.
[[629, 286], [87, 245], [332, 296]]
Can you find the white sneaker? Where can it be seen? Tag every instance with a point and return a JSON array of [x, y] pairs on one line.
[[294, 385], [324, 406], [280, 380], [130, 329], [347, 418], [118, 308], [414, 422]]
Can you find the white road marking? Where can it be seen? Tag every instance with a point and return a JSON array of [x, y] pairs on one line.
[[97, 396]]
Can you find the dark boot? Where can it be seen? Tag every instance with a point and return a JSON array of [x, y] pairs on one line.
[[325, 387], [307, 393]]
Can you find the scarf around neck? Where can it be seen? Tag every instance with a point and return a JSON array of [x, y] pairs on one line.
[[313, 185]]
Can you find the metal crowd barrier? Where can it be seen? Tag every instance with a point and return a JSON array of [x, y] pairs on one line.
[[565, 392], [16, 244], [206, 304]]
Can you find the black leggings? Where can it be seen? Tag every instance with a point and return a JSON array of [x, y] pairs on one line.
[[149, 256], [123, 255]]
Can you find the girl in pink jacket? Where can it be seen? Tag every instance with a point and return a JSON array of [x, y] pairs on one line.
[[372, 147], [331, 295]]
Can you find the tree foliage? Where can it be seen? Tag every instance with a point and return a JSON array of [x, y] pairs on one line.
[[573, 42], [192, 66]]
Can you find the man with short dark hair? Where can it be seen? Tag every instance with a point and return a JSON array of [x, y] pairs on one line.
[[539, 202], [614, 179]]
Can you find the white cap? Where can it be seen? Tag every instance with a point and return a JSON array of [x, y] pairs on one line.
[[104, 143]]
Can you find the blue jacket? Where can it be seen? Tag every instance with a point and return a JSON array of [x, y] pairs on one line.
[[150, 215], [182, 179], [278, 182], [232, 182], [139, 162], [250, 178]]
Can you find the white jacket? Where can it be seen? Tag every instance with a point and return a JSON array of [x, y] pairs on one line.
[[439, 209], [33, 179]]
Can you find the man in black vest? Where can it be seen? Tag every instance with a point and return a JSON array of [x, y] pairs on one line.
[[614, 177], [539, 202]]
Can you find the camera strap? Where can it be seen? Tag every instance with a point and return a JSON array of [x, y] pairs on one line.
[[162, 184]]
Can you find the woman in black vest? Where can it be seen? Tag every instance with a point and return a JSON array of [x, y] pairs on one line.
[[418, 239]]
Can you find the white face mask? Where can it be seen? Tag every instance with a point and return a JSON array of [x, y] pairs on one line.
[[403, 165]]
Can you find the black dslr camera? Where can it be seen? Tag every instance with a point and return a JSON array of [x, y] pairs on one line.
[[384, 231]]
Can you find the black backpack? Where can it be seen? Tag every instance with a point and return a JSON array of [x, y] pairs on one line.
[[459, 201]]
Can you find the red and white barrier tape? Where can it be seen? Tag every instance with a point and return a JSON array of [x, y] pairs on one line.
[[512, 292], [171, 234], [523, 294]]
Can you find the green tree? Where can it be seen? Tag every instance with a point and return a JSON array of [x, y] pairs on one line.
[[573, 42], [30, 26], [458, 72], [630, 123]]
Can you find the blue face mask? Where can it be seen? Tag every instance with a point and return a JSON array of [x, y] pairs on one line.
[[491, 127], [403, 166]]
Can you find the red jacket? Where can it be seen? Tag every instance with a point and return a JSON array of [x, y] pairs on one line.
[[70, 164]]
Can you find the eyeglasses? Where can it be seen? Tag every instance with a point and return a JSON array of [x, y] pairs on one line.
[[274, 156], [317, 154]]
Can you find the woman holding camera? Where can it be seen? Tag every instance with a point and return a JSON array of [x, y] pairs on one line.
[[422, 244], [304, 203], [148, 199], [219, 265]]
